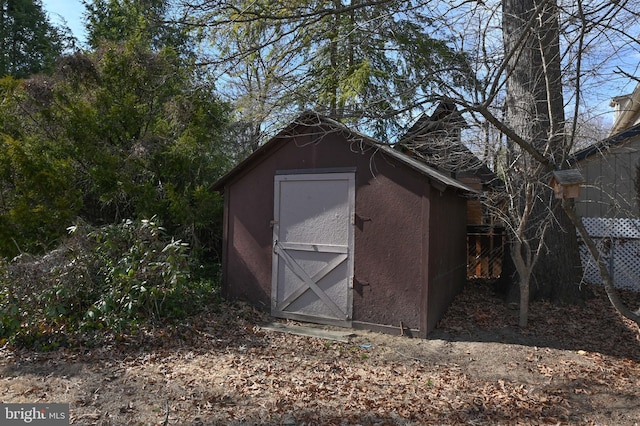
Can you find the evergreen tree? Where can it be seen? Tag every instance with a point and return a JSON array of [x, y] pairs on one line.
[[134, 21], [29, 43], [364, 63], [131, 134]]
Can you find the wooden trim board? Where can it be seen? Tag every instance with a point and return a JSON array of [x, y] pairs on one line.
[[338, 336]]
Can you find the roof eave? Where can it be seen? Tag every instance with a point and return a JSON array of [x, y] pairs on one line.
[[604, 144]]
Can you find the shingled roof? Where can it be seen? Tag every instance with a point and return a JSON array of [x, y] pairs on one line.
[[603, 145]]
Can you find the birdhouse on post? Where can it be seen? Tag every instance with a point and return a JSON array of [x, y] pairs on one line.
[[566, 183]]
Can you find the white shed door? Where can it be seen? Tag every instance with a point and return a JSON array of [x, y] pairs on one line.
[[313, 247]]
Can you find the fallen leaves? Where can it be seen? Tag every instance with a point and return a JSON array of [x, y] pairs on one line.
[[222, 369]]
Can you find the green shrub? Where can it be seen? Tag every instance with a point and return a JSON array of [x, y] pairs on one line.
[[113, 278]]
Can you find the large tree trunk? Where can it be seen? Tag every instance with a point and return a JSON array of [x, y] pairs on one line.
[[535, 111], [558, 272]]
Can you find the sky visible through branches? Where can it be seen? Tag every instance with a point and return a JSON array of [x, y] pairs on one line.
[[69, 13]]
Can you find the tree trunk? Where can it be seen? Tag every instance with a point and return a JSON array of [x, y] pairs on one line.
[[524, 274], [524, 303], [558, 272], [535, 111]]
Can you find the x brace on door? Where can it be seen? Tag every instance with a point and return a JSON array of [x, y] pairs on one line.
[[311, 282]]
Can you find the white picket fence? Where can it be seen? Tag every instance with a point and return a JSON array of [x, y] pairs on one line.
[[618, 240]]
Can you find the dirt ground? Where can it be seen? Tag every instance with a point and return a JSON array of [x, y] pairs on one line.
[[573, 365]]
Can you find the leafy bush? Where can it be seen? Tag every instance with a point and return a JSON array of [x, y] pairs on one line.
[[113, 278]]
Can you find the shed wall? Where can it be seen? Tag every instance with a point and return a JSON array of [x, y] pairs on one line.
[[447, 253], [249, 206], [390, 263]]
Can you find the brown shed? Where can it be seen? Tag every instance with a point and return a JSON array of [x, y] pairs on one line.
[[325, 225]]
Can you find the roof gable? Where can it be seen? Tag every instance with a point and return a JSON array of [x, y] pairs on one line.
[[627, 111], [312, 119]]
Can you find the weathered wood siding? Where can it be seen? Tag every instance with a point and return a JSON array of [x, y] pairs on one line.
[[609, 190]]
